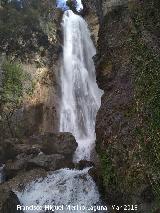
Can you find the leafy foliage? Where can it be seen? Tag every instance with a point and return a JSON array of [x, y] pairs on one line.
[[13, 91], [12, 82], [22, 30]]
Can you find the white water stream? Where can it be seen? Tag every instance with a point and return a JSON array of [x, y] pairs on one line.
[[65, 191], [81, 97], [73, 190]]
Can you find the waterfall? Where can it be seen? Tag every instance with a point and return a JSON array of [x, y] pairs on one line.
[[68, 190], [81, 97]]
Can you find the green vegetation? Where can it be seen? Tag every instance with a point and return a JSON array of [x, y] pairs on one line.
[[12, 82], [14, 89], [148, 108], [109, 176], [28, 36], [146, 60], [25, 32]]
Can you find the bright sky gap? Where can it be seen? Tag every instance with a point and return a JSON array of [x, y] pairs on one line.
[[62, 4]]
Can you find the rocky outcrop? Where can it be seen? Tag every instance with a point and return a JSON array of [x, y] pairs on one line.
[[39, 113], [8, 201], [28, 163], [123, 126], [51, 143], [49, 162], [11, 148], [61, 143], [49, 152], [8, 190], [19, 182], [105, 6], [90, 15]]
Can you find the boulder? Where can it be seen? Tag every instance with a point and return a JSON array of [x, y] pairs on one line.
[[23, 178], [49, 143], [49, 162], [28, 149], [8, 201], [84, 164], [12, 167], [28, 162], [93, 173], [12, 147], [7, 150], [59, 143], [48, 151]]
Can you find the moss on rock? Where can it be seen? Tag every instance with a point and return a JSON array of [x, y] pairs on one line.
[[128, 122]]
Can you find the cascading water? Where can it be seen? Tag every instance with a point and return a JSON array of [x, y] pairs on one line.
[[65, 190], [81, 97], [72, 190]]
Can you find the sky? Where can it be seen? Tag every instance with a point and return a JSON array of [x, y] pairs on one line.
[[62, 4]]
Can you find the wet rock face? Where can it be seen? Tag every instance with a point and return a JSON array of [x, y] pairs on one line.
[[8, 201]]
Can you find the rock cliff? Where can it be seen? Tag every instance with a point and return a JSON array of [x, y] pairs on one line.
[[127, 124], [30, 39]]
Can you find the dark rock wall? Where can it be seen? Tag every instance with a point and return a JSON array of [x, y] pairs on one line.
[[128, 121]]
